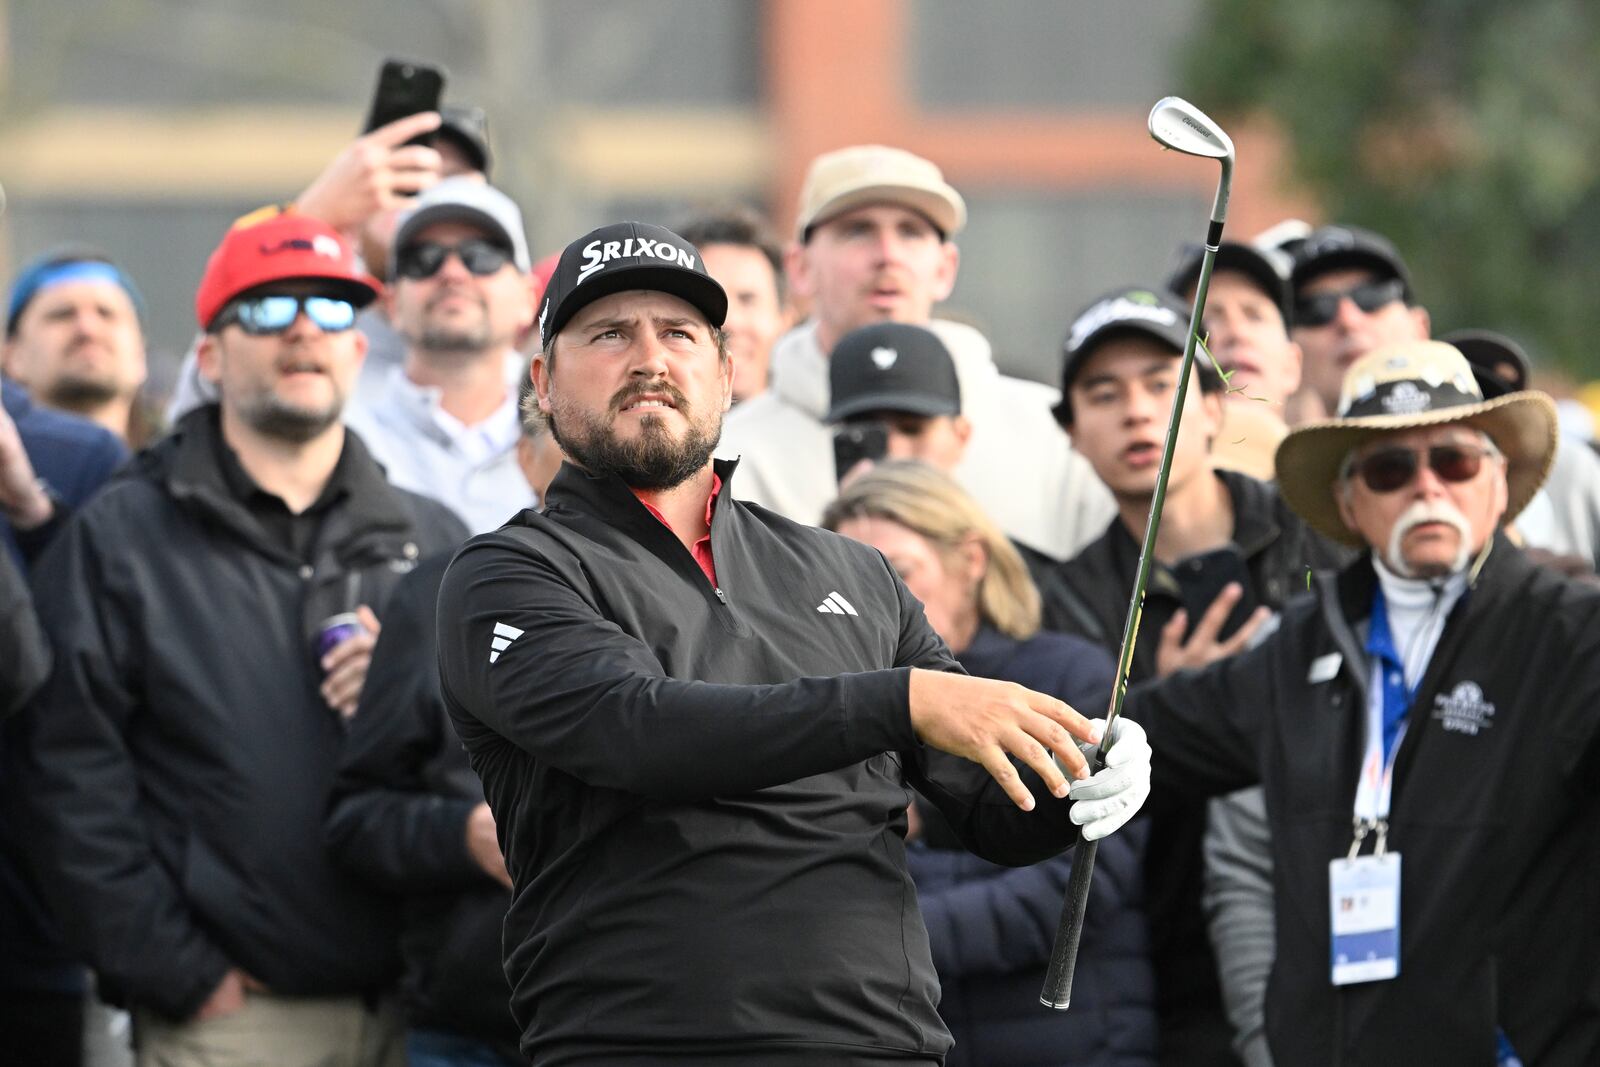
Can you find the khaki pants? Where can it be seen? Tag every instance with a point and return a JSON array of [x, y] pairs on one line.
[[272, 1031]]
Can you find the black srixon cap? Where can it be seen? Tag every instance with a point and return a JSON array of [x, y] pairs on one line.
[[892, 366], [623, 256]]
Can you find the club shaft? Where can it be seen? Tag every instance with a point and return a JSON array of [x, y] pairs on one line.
[[1064, 955]]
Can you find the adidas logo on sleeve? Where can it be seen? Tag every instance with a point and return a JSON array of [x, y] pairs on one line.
[[503, 636]]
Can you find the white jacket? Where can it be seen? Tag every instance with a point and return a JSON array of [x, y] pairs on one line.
[[1019, 464]]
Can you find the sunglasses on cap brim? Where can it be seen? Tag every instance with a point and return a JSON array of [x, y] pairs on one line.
[[262, 316], [1320, 309], [424, 259], [1390, 469]]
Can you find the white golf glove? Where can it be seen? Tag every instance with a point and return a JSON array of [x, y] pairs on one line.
[[1102, 803]]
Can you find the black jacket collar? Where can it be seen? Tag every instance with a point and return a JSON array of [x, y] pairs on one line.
[[609, 498]]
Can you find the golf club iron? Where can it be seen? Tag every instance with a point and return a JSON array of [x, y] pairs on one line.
[[1179, 125]]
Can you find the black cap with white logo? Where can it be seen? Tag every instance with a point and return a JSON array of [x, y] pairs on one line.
[[1150, 312], [623, 256], [1153, 312], [892, 366]]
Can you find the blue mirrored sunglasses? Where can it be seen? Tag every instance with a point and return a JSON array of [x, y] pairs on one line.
[[261, 316]]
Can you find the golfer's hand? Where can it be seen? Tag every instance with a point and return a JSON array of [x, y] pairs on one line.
[[1103, 803], [1202, 648], [983, 720]]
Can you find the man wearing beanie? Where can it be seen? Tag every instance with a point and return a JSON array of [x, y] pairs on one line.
[[75, 339]]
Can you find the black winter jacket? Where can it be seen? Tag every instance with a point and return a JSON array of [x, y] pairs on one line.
[[24, 653], [1088, 596], [991, 928], [174, 771], [701, 791], [1496, 815], [398, 820]]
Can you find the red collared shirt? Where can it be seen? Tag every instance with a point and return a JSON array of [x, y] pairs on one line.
[[702, 548]]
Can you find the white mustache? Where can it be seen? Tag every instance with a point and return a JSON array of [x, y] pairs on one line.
[[1429, 511]]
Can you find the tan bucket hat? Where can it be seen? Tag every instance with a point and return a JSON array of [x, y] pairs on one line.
[[873, 173], [1402, 387]]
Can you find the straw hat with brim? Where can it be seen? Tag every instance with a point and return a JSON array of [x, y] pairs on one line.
[[1403, 387]]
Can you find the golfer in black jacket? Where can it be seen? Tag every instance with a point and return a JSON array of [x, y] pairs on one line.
[[697, 722]]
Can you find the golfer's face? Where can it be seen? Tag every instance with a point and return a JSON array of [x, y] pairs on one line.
[[1429, 525], [638, 360]]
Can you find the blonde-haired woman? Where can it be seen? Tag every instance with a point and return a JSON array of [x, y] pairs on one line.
[[991, 927]]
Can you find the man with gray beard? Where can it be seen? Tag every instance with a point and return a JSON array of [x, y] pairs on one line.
[[1435, 702], [213, 611], [445, 422]]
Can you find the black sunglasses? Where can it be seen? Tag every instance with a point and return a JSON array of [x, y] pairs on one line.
[[262, 316], [1389, 469], [1319, 310], [480, 256]]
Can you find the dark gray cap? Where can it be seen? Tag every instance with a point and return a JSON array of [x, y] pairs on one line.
[[1331, 248], [1499, 363], [892, 366], [1241, 259]]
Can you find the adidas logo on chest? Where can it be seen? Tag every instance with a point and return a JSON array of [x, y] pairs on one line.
[[835, 604]]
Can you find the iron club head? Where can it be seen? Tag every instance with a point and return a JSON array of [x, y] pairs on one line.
[[1177, 124]]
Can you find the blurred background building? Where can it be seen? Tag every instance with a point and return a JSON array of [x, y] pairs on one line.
[[145, 126]]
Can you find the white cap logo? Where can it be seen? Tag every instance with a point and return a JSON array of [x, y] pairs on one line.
[[1118, 309], [596, 254], [323, 245], [884, 357]]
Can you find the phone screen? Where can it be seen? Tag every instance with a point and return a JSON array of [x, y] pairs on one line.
[[1201, 580], [404, 88], [855, 442]]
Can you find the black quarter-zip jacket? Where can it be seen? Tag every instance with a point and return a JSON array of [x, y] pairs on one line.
[[1496, 816], [701, 792]]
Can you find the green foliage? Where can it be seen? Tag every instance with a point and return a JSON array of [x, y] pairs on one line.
[[1467, 131]]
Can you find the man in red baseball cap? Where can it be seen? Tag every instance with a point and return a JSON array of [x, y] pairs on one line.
[[215, 607]]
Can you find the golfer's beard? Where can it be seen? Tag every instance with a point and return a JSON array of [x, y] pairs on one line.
[[1429, 511], [651, 461]]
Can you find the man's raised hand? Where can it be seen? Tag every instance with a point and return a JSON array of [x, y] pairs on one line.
[[376, 172]]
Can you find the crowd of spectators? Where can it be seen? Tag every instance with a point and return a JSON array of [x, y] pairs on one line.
[[235, 816]]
